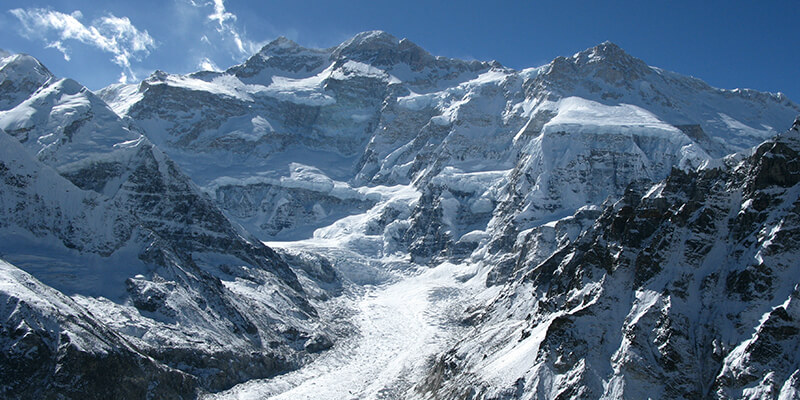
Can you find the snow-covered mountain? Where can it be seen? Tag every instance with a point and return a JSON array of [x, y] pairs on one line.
[[278, 140], [92, 209], [594, 227], [683, 289], [52, 345]]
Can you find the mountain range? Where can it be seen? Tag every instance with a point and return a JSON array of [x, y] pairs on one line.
[[590, 228]]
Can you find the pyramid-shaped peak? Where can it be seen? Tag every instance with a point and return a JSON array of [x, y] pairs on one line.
[[19, 68], [371, 39], [606, 57], [382, 49], [20, 76], [24, 64], [157, 76], [606, 51], [606, 62], [283, 46], [608, 46], [281, 42]]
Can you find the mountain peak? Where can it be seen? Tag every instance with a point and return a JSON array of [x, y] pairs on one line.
[[281, 54], [20, 76], [23, 63], [370, 39], [606, 61], [606, 52], [281, 45], [157, 76], [607, 46], [383, 49], [366, 42], [282, 41]]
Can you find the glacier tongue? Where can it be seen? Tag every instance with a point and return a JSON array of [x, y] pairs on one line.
[[399, 327], [401, 314]]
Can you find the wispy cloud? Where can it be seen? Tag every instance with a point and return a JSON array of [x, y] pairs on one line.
[[111, 34], [225, 23]]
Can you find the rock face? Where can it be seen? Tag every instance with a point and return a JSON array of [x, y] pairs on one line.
[[634, 229], [683, 289]]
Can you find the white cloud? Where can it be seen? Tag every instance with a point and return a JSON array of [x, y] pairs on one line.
[[225, 24], [60, 47], [221, 15], [115, 35]]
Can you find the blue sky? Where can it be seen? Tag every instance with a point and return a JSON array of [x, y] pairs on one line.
[[726, 43]]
